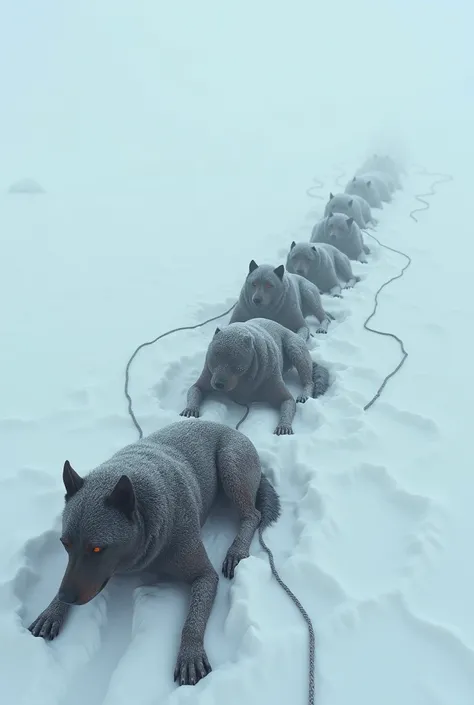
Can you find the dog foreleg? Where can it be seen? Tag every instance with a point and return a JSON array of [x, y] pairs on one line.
[[192, 663], [196, 394]]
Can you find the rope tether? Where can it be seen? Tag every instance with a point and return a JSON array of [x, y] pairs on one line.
[[443, 178], [317, 184], [380, 332]]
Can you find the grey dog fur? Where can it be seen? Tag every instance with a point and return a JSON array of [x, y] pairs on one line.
[[341, 232], [272, 293], [384, 164], [323, 265], [382, 182], [365, 189], [145, 507], [351, 205], [247, 361]]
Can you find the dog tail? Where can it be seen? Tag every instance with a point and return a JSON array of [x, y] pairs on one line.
[[267, 503], [320, 380]]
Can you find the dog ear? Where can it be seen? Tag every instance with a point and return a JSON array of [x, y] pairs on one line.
[[292, 245], [369, 183], [279, 271], [247, 340], [218, 330], [331, 196], [354, 179], [349, 222], [313, 248], [72, 481], [351, 202], [253, 265], [122, 497]]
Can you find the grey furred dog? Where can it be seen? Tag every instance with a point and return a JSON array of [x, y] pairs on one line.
[[143, 509], [359, 186], [383, 183], [384, 164], [247, 361], [342, 232], [322, 264], [272, 293], [351, 205]]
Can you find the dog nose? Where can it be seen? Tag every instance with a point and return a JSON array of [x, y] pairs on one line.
[[67, 596], [257, 300], [300, 272], [219, 385]]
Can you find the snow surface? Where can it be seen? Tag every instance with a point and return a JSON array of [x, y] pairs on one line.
[[176, 143]]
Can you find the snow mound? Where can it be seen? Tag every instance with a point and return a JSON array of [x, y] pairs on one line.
[[26, 186]]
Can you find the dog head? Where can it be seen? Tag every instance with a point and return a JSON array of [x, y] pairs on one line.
[[363, 187], [338, 227], [301, 258], [229, 356], [340, 203], [99, 532], [264, 284]]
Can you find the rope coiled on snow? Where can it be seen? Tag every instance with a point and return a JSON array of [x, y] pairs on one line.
[[317, 184], [385, 333], [443, 178]]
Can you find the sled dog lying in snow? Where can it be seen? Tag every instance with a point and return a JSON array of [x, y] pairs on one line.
[[322, 264], [247, 361], [351, 205], [364, 188], [143, 509], [382, 182], [285, 298], [342, 232], [384, 164]]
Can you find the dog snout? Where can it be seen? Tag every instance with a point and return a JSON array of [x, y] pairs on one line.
[[219, 385], [300, 272], [257, 300]]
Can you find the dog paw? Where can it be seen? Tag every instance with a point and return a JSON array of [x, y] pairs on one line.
[[302, 398], [49, 623], [190, 412], [322, 330], [231, 562], [283, 429], [192, 665]]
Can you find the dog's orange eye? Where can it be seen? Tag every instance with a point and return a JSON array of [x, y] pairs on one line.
[[96, 549]]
